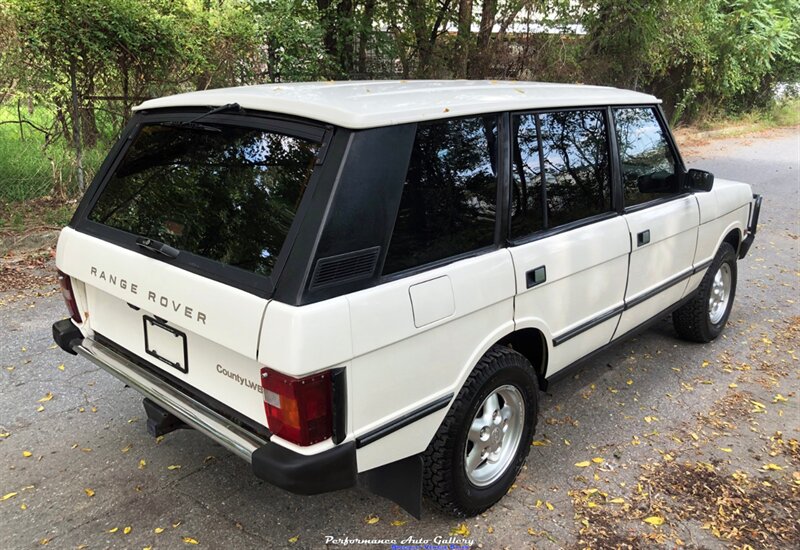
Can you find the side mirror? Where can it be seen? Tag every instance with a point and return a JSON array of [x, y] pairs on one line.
[[699, 180]]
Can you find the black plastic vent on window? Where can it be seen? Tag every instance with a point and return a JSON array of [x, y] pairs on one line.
[[342, 268]]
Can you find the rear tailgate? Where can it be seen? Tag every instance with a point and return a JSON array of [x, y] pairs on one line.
[[206, 328]]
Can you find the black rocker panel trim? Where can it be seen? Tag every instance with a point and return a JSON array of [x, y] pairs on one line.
[[403, 421]]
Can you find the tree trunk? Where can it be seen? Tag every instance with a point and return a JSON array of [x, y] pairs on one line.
[[76, 123], [464, 38], [479, 64], [364, 32]]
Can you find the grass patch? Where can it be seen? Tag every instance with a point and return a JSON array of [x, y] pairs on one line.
[[29, 170], [779, 114], [33, 214]]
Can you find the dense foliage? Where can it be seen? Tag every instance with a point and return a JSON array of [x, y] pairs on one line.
[[86, 62]]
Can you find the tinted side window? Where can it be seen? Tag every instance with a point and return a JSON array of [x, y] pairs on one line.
[[648, 165], [448, 202], [574, 161]]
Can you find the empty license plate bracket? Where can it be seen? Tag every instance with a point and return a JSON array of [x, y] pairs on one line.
[[165, 343]]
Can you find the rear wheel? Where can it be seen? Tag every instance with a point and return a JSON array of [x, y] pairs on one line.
[[484, 440], [704, 317]]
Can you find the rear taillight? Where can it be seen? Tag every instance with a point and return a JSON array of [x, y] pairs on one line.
[[298, 409], [69, 296]]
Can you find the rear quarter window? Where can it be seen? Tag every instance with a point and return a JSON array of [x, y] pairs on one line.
[[448, 205]]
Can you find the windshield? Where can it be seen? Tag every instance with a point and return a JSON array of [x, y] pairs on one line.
[[229, 194]]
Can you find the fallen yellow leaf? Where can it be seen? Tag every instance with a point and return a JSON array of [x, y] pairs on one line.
[[39, 409], [8, 496], [694, 436], [294, 539], [89, 492], [158, 530], [371, 519], [617, 500], [190, 540], [654, 520], [60, 367], [650, 419], [174, 467], [771, 466], [23, 506], [598, 460], [583, 464], [549, 506], [541, 443], [726, 449], [127, 530], [43, 542], [26, 454], [462, 530], [46, 398], [779, 398], [4, 435], [398, 523], [705, 364], [113, 530], [142, 464]]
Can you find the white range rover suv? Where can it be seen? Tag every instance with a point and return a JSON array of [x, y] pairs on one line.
[[368, 283]]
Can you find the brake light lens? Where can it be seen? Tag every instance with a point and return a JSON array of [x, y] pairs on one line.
[[69, 296], [298, 409]]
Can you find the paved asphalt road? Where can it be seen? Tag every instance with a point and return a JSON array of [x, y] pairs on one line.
[[682, 433]]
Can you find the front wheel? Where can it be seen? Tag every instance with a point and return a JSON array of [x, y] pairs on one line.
[[703, 318], [484, 440]]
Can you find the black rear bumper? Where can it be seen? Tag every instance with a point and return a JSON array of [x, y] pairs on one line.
[[327, 471], [752, 227], [65, 333]]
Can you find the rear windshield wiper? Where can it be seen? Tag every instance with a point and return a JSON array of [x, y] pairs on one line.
[[157, 247], [194, 125], [221, 108]]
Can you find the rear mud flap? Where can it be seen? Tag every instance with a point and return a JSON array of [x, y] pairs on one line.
[[400, 482]]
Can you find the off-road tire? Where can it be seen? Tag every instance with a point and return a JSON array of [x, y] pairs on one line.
[[692, 321], [445, 479]]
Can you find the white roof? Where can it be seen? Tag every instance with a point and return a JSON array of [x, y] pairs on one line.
[[368, 104]]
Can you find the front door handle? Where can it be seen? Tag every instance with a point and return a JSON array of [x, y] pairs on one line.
[[643, 238]]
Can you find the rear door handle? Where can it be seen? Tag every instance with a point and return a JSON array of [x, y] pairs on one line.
[[643, 238], [535, 276]]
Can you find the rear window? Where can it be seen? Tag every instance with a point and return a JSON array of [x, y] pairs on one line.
[[228, 195]]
